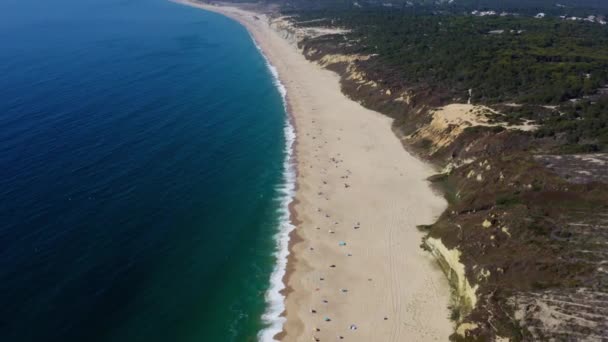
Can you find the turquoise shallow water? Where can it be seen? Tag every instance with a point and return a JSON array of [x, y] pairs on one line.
[[141, 161]]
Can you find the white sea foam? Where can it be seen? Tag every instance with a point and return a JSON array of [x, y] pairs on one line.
[[275, 301]]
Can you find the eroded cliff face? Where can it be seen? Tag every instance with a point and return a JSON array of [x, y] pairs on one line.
[[449, 260], [286, 30], [296, 34], [449, 122], [516, 271]]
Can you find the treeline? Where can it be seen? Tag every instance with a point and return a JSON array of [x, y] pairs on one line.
[[525, 7], [501, 58], [580, 8], [565, 7]]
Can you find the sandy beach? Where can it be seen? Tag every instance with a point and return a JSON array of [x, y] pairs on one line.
[[356, 269]]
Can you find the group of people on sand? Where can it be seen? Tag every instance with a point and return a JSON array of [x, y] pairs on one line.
[[322, 193]]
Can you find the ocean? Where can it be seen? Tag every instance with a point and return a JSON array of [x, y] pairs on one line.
[[145, 172]]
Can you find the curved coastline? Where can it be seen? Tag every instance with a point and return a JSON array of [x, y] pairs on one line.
[[393, 197], [274, 314], [275, 299]]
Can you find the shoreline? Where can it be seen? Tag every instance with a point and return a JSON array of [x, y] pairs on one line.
[[284, 255], [376, 294]]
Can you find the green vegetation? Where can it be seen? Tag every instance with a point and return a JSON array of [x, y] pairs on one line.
[[555, 70], [506, 200], [529, 7], [519, 59], [584, 126]]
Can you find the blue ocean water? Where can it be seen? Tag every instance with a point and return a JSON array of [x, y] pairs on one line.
[[142, 150]]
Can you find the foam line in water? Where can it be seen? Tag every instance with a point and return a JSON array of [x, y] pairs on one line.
[[275, 301]]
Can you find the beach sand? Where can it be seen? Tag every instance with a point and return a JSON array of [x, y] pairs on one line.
[[355, 254]]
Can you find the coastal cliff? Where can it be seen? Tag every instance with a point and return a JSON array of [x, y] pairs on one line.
[[521, 239]]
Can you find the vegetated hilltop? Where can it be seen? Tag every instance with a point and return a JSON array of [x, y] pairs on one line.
[[551, 71], [565, 7], [502, 103]]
